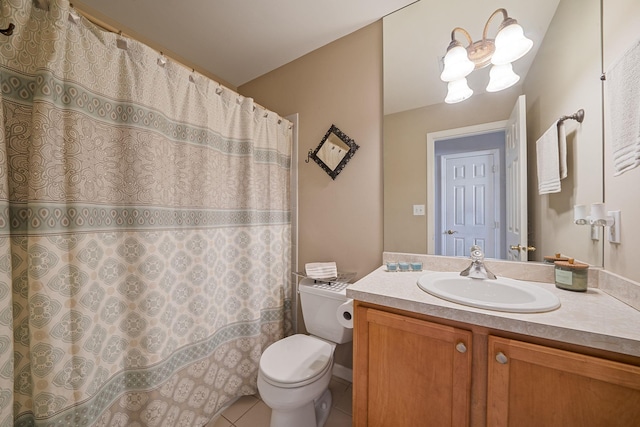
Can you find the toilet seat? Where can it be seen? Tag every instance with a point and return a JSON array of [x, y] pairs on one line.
[[296, 361]]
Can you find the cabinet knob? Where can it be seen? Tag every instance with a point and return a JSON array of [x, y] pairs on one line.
[[501, 358], [461, 347]]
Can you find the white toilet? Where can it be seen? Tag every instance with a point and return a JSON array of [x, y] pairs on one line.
[[295, 372]]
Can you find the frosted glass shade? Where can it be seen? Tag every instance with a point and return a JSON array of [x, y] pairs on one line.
[[511, 44], [457, 64], [501, 77], [580, 214], [459, 90]]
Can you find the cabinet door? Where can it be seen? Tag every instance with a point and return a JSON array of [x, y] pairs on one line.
[[409, 372], [532, 385]]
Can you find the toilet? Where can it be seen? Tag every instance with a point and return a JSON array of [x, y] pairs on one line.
[[295, 371]]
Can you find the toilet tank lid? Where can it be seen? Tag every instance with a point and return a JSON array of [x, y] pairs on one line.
[[296, 359]]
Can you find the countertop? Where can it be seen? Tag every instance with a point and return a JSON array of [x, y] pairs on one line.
[[592, 319]]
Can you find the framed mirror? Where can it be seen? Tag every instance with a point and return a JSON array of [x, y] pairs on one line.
[[334, 151]]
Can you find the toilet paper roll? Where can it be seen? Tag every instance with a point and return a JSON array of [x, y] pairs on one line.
[[345, 314]]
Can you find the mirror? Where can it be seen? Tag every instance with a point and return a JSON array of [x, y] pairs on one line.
[[559, 77], [334, 151]]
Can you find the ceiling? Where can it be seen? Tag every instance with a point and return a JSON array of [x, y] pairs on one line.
[[416, 39], [238, 40]]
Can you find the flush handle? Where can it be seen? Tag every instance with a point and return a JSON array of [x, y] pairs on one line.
[[461, 347], [501, 358]]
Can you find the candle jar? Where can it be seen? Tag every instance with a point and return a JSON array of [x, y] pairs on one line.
[[553, 258], [571, 275], [416, 266]]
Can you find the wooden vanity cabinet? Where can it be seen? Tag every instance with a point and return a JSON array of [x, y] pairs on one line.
[[415, 370], [533, 385], [409, 372]]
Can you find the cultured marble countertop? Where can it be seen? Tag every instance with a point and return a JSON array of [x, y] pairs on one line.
[[592, 319]]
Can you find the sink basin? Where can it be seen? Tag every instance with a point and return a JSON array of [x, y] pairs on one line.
[[501, 294]]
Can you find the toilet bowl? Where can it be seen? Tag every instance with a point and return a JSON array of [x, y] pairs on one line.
[[295, 371]]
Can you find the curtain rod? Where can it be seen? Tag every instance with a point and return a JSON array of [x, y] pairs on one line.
[[92, 16], [102, 24]]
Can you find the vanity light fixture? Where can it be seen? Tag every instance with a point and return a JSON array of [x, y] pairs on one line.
[[509, 45], [599, 217]]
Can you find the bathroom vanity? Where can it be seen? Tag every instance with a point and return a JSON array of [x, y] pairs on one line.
[[422, 360]]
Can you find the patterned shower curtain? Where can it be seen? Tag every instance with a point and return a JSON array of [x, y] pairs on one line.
[[144, 230]]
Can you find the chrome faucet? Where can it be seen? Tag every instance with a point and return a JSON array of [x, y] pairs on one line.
[[477, 269]]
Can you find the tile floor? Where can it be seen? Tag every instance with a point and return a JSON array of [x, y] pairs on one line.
[[250, 411]]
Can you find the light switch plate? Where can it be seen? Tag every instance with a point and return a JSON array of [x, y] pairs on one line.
[[418, 209]]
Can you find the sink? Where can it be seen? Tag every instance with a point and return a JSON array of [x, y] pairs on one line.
[[501, 294]]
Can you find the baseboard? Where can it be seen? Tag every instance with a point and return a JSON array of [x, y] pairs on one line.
[[343, 372]]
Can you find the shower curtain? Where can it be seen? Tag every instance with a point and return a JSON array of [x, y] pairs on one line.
[[144, 230]]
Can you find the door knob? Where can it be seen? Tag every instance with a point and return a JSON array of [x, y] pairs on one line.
[[522, 248], [450, 232]]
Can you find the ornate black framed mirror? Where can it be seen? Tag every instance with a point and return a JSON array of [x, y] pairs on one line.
[[334, 151]]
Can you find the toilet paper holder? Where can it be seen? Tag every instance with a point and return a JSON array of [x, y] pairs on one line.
[[344, 314]]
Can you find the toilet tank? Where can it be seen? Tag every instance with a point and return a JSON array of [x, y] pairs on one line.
[[320, 302]]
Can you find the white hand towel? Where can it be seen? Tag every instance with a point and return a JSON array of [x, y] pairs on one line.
[[321, 270], [548, 161], [622, 93], [562, 149]]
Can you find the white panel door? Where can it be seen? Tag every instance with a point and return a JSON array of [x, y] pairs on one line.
[[469, 203], [516, 185]]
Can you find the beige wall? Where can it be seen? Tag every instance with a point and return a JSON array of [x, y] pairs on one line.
[[565, 77], [621, 30], [405, 160], [340, 84]]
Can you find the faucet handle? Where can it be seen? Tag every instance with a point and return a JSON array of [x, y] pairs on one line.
[[476, 253]]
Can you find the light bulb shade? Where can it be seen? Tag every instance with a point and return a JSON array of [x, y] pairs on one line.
[[459, 90], [501, 77], [600, 216], [580, 214], [456, 64], [511, 44]]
